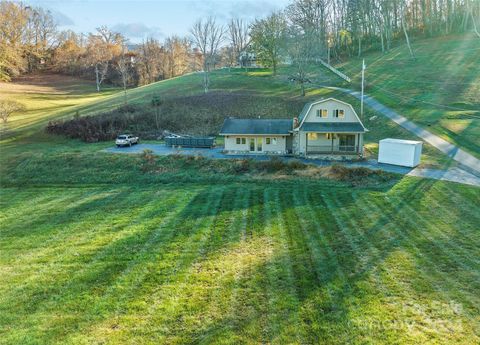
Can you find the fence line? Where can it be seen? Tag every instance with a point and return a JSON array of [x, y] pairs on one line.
[[334, 70]]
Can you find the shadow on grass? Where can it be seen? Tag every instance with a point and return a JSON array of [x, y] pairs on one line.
[[279, 259]]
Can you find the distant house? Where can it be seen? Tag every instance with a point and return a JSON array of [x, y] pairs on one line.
[[247, 59], [324, 127]]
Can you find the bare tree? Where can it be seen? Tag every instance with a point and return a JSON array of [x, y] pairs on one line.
[[474, 24], [41, 35], [238, 33], [123, 67], [151, 61], [311, 17], [157, 103], [207, 36], [177, 56], [412, 54], [301, 53], [101, 49], [8, 107]]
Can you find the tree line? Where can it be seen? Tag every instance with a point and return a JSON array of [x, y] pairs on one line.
[[303, 31], [312, 29]]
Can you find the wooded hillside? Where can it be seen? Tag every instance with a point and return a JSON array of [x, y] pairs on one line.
[[305, 30]]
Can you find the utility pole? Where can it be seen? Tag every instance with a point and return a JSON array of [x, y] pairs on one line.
[[328, 48], [363, 87]]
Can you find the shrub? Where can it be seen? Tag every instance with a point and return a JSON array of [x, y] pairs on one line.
[[356, 175], [148, 163], [200, 115], [241, 166], [274, 164]]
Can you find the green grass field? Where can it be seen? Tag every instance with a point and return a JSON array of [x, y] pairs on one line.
[[439, 91], [46, 97], [238, 262], [93, 250], [269, 96]]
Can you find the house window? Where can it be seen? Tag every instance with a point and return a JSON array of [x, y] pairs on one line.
[[312, 136], [330, 136], [241, 141], [339, 113], [244, 141], [322, 113], [271, 141]]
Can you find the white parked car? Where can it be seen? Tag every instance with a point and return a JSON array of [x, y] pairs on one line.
[[126, 140]]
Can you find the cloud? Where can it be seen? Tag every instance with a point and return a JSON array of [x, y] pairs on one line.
[[248, 9], [137, 30]]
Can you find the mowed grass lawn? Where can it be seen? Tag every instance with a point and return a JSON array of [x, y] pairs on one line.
[[46, 97], [293, 262], [53, 97], [95, 251], [440, 90]]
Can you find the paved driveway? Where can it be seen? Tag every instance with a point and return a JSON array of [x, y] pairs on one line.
[[451, 174], [467, 161]]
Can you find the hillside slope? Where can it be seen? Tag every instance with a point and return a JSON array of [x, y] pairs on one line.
[[440, 90], [135, 249], [257, 93]]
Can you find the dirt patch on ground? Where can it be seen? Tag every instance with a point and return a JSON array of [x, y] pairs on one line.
[[201, 115], [238, 104]]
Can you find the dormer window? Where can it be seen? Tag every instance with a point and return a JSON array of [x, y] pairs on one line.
[[322, 113], [339, 113]]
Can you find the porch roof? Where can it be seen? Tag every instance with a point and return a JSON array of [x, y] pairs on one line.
[[333, 127]]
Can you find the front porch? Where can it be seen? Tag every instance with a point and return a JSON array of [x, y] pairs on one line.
[[333, 143]]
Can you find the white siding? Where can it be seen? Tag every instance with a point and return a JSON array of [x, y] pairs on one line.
[[400, 152], [330, 106], [232, 146]]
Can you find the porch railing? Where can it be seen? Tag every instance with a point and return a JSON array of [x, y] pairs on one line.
[[329, 149]]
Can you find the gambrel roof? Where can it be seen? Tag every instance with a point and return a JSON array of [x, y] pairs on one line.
[[308, 106]]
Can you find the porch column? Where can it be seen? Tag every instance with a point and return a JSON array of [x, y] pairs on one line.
[[306, 144]]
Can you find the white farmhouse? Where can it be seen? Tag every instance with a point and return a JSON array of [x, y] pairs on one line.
[[326, 127]]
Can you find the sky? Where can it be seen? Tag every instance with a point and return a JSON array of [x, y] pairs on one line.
[[153, 18]]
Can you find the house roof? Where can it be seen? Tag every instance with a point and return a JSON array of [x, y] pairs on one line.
[[256, 126], [305, 110], [333, 127], [308, 105]]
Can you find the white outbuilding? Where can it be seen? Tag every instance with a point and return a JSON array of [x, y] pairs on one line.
[[400, 152]]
